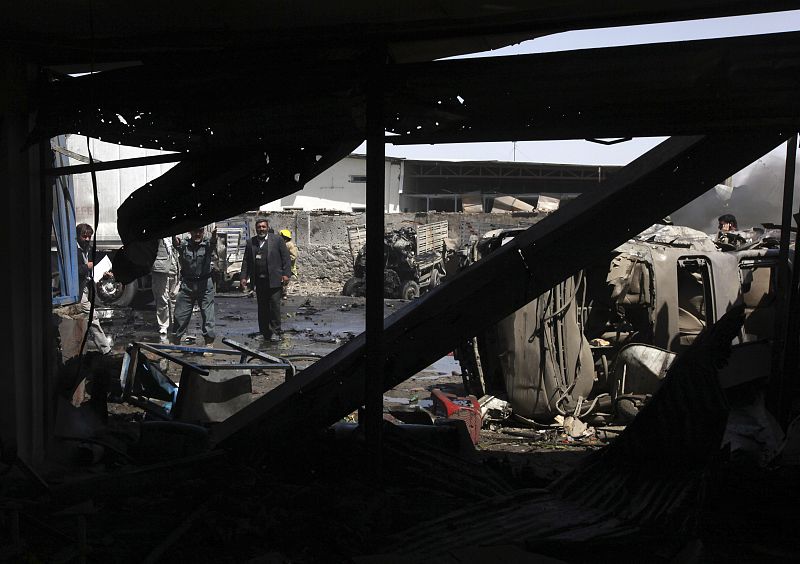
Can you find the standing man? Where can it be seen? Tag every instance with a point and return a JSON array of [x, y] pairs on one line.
[[286, 235], [266, 265], [165, 285], [86, 289], [196, 257]]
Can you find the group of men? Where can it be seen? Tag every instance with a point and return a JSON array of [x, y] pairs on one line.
[[266, 267], [183, 276]]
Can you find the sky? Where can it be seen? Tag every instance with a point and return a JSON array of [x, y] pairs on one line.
[[584, 152]]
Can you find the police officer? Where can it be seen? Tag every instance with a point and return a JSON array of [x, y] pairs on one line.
[[197, 256]]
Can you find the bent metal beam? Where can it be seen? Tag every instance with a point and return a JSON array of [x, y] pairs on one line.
[[662, 180]]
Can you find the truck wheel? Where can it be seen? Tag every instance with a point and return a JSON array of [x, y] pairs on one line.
[[435, 278], [410, 290], [351, 286], [115, 293]]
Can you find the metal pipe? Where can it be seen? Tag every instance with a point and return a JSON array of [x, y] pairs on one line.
[[97, 166], [244, 366], [171, 358], [375, 198]]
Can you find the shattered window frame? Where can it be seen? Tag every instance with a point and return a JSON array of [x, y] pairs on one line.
[[761, 325]]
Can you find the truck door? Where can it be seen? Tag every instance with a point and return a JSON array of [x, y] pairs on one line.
[[758, 278], [695, 298]]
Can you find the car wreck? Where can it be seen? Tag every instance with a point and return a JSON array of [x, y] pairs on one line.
[[598, 345], [414, 258]]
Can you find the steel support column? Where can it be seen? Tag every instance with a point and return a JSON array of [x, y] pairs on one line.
[[24, 290], [375, 198]]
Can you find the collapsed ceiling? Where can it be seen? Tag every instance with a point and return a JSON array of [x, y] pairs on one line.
[[260, 99]]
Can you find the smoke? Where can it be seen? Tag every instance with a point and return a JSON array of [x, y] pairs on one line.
[[756, 196]]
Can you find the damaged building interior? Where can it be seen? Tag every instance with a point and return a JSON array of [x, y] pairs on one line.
[[255, 99]]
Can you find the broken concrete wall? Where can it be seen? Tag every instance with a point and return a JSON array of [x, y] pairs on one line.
[[321, 237]]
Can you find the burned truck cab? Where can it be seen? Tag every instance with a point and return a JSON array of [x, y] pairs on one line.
[[601, 341], [665, 286]]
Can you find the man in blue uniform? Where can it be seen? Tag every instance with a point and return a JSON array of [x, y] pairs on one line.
[[197, 256], [266, 266]]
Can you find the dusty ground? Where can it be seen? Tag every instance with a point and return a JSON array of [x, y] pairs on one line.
[[317, 501], [317, 325], [313, 325]]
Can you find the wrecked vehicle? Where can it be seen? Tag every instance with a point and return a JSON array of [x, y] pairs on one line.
[[414, 260], [598, 345], [232, 239]]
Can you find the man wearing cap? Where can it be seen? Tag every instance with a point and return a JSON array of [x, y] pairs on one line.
[[286, 235], [266, 266]]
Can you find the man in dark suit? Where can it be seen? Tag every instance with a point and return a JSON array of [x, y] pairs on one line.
[[266, 267]]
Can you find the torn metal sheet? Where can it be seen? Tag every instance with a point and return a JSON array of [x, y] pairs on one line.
[[681, 88], [540, 353], [653, 473], [494, 408], [508, 204], [752, 433], [472, 202], [240, 147], [547, 204]]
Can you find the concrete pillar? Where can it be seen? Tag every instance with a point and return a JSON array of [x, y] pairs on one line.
[[24, 286]]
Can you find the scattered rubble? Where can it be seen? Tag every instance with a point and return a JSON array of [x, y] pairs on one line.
[[434, 471]]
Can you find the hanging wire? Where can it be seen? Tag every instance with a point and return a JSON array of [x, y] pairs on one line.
[[96, 218]]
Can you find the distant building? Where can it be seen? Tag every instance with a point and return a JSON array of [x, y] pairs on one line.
[[420, 185], [445, 185], [343, 187], [410, 185]]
